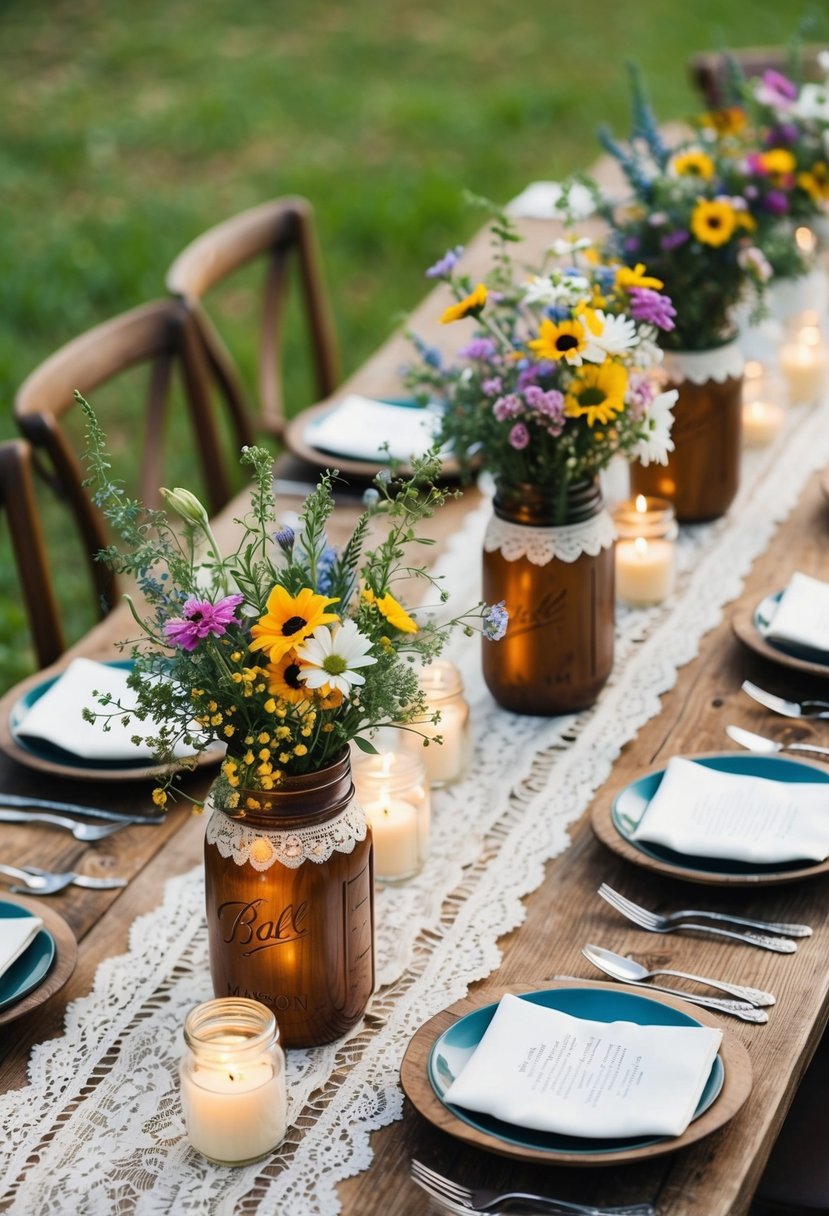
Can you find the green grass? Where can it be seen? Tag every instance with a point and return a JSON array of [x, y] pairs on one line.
[[128, 128]]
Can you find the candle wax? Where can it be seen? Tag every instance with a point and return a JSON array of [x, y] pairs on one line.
[[644, 570], [761, 422], [394, 831], [234, 1112]]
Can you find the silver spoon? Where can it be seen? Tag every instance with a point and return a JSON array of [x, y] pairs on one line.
[[628, 968], [759, 743], [789, 709]]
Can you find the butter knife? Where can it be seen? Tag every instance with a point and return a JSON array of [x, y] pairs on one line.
[[72, 808]]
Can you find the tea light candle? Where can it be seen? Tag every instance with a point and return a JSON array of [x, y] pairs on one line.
[[443, 689], [233, 1081], [762, 421], [645, 550], [391, 787], [803, 363]]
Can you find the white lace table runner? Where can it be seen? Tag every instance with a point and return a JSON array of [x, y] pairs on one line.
[[99, 1130]]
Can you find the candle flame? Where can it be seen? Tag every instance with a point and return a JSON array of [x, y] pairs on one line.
[[641, 546], [805, 239], [641, 503]]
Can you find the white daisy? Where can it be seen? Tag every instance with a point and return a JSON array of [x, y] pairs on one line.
[[813, 103], [564, 246], [659, 420], [618, 334], [556, 288], [330, 657]]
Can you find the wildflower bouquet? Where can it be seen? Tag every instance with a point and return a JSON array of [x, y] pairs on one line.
[[691, 221], [285, 649], [555, 378]]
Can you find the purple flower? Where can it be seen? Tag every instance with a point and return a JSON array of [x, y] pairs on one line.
[[495, 620], [632, 244], [640, 395], [776, 89], [673, 240], [201, 619], [492, 387], [652, 308], [776, 203], [550, 403], [445, 265], [519, 437], [507, 407], [534, 372], [479, 348], [785, 133], [285, 539]]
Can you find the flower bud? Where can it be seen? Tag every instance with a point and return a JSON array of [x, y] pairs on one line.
[[186, 505]]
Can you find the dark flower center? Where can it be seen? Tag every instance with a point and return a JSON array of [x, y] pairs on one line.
[[714, 221], [291, 676], [592, 396], [566, 342], [293, 625]]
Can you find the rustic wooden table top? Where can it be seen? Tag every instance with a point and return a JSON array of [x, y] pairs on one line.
[[715, 1177]]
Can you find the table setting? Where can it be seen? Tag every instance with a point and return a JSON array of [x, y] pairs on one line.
[[525, 846]]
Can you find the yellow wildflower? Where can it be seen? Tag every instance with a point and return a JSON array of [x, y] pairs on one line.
[[634, 276], [713, 221], [159, 797], [559, 340], [692, 163], [290, 619], [394, 612], [470, 306]]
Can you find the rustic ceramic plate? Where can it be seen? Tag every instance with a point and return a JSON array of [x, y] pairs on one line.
[[751, 626]]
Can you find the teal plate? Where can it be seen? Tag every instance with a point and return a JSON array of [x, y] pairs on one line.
[[630, 804], [452, 1049], [33, 965]]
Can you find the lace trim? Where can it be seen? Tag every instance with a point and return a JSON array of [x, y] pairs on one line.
[[263, 849], [98, 1129], [541, 545], [699, 366]]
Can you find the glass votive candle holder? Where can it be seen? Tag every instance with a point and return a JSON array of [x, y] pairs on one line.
[[233, 1081], [803, 360], [645, 550], [393, 791], [442, 685]]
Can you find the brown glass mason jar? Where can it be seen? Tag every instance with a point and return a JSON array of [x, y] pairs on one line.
[[702, 475], [290, 903], [558, 649]]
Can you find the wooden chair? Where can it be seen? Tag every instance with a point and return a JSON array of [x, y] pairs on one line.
[[278, 231], [162, 337], [17, 499]]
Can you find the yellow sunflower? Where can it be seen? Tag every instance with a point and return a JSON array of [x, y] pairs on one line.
[[815, 182], [288, 620], [729, 121], [471, 306], [559, 340], [597, 393], [779, 164], [634, 276], [693, 163], [394, 612], [713, 221], [283, 679]]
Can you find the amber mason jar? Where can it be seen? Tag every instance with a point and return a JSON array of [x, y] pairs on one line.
[[702, 475], [555, 572], [290, 903]]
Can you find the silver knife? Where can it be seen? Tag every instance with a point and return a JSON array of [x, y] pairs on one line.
[[72, 808]]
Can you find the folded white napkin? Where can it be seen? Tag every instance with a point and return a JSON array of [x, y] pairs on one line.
[[706, 813], [357, 426], [16, 935], [802, 616], [540, 1068], [57, 716], [538, 202]]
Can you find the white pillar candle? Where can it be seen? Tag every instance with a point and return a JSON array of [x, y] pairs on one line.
[[803, 363], [442, 686], [644, 570], [762, 421], [394, 832]]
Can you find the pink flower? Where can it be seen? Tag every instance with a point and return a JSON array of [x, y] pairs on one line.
[[200, 619], [519, 436]]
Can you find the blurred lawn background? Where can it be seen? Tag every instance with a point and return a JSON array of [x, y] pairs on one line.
[[129, 127]]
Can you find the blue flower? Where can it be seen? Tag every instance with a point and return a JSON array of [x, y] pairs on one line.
[[495, 620], [325, 568], [285, 538], [445, 265], [371, 497]]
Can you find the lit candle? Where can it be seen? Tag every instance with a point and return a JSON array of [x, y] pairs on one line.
[[803, 363], [392, 789], [394, 836], [806, 240], [442, 687], [233, 1081], [644, 550], [762, 421]]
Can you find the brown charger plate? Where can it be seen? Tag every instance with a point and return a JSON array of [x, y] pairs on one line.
[[744, 625], [295, 441], [11, 706], [66, 956], [418, 1089], [771, 765]]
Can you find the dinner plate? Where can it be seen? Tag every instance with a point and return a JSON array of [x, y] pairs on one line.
[[299, 439], [48, 758], [614, 824], [444, 1043], [751, 626], [44, 967]]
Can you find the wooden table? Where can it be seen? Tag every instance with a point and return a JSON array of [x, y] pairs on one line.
[[715, 1178]]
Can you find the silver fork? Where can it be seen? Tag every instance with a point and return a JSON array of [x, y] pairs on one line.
[[786, 928], [789, 709], [86, 832], [45, 882], [462, 1199], [670, 923]]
